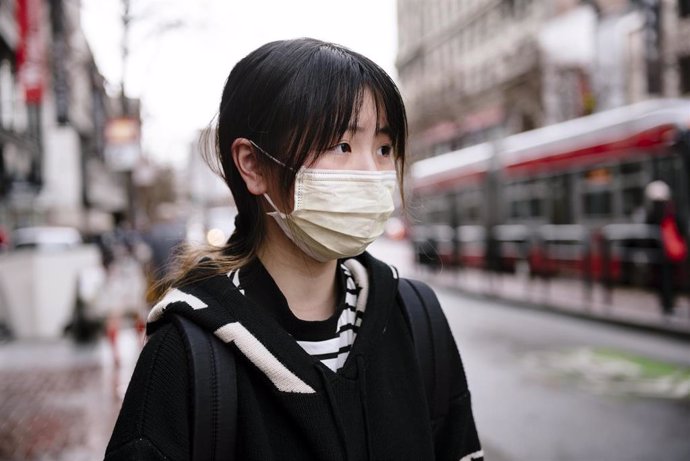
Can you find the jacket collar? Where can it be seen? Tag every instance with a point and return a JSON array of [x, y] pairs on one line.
[[215, 304]]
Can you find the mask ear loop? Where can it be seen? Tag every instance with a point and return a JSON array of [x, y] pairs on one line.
[[270, 156], [275, 208], [277, 211]]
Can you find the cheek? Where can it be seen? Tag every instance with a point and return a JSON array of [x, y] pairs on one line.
[[330, 162], [387, 163]]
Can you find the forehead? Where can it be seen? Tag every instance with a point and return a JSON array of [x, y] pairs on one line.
[[369, 115]]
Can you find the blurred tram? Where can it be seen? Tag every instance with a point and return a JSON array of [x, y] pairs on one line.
[[563, 200]]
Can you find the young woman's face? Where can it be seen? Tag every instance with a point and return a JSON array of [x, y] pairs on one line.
[[362, 147]]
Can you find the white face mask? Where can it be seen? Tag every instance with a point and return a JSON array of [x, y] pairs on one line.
[[337, 213]]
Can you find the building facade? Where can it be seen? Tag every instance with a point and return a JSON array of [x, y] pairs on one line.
[[476, 70], [678, 16], [468, 70], [53, 112], [20, 174]]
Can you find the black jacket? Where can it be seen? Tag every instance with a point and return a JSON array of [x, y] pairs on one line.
[[290, 405]]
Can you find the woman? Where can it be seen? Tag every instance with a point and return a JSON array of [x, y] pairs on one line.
[[310, 140]]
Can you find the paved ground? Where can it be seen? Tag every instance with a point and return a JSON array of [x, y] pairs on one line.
[[59, 401], [629, 306]]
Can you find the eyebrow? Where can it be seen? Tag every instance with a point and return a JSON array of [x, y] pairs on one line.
[[379, 130], [385, 130]]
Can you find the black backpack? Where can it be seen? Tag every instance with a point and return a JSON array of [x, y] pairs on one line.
[[212, 390]]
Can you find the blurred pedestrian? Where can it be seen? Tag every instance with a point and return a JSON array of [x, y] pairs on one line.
[[123, 296], [164, 237], [311, 139], [672, 247]]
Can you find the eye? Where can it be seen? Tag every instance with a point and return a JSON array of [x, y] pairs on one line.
[[341, 148], [385, 151]]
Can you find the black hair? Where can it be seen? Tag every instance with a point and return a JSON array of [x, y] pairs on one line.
[[294, 99]]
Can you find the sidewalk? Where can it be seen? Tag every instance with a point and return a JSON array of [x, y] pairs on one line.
[[60, 401], [627, 306], [631, 307]]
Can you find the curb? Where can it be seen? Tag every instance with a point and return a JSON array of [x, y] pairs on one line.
[[669, 330]]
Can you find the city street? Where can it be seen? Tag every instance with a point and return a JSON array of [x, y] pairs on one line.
[[551, 387], [547, 386], [542, 157]]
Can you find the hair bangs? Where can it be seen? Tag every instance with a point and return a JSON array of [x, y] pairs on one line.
[[316, 103], [333, 95]]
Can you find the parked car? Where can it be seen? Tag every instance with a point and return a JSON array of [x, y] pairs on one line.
[[45, 238]]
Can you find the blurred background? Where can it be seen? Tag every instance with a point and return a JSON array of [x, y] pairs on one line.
[[548, 202]]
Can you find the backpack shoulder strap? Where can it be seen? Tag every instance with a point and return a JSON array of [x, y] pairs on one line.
[[431, 339], [213, 381]]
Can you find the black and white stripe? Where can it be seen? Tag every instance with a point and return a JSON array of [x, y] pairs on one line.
[[333, 351]]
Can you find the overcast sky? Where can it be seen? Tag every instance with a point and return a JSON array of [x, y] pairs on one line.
[[179, 73]]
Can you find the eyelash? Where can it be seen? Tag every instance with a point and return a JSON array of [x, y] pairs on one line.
[[349, 149], [387, 150]]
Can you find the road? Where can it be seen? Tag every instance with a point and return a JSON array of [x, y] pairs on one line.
[[547, 387], [556, 388]]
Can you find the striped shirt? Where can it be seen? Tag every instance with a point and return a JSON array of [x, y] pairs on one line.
[[328, 340]]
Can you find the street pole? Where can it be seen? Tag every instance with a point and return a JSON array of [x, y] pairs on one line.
[[125, 55], [129, 176]]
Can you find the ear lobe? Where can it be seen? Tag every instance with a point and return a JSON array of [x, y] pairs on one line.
[[245, 160]]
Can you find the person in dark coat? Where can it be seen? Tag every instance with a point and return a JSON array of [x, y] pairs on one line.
[[672, 248], [311, 139]]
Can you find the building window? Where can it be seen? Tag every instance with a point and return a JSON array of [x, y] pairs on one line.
[[684, 64], [684, 8]]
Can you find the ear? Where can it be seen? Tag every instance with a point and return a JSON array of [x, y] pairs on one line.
[[244, 156]]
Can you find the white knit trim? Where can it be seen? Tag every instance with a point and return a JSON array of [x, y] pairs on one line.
[[174, 296], [321, 347], [350, 298], [471, 456], [280, 376], [234, 276], [361, 276], [395, 271]]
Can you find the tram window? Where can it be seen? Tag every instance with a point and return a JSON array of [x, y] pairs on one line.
[[526, 199], [665, 168], [519, 209], [559, 200], [514, 209], [538, 193], [535, 207], [633, 199], [470, 205], [633, 179], [472, 213], [597, 203], [631, 168], [436, 210], [523, 209], [597, 195], [684, 64]]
